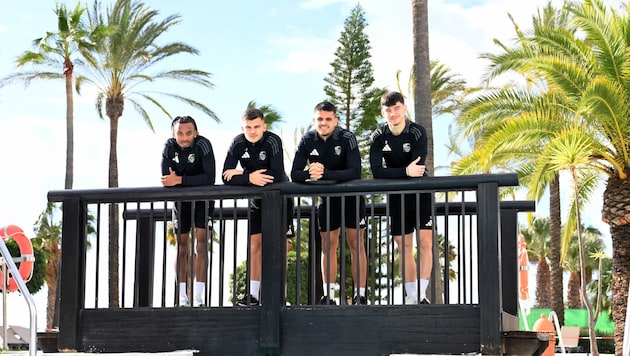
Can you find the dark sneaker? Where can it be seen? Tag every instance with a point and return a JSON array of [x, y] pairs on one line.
[[359, 300], [248, 300], [425, 301], [327, 301]]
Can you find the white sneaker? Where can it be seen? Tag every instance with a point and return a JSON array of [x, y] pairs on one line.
[[410, 300], [198, 301], [183, 301]]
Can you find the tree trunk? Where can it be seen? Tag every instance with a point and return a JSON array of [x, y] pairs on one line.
[[422, 107], [616, 212], [422, 74], [52, 276], [574, 301], [543, 284], [68, 69], [114, 108], [555, 236]]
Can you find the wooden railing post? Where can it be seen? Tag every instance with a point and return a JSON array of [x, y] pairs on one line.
[[145, 259], [274, 256], [490, 292], [73, 246]]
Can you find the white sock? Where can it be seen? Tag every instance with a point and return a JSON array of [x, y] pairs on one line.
[[362, 292], [200, 289], [326, 286], [411, 288], [254, 288], [424, 283], [182, 290]]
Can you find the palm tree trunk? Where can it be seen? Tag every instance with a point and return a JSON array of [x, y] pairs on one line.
[[422, 106], [555, 235], [574, 300], [422, 73], [114, 108], [52, 276], [68, 68], [615, 213], [543, 284]]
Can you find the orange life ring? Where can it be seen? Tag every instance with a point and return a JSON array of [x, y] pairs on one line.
[[26, 252]]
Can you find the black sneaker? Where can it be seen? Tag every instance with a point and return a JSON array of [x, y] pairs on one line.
[[425, 301], [247, 301], [359, 300], [327, 301]]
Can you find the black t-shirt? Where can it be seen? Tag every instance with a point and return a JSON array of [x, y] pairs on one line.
[[339, 154], [264, 154], [390, 155], [194, 164]]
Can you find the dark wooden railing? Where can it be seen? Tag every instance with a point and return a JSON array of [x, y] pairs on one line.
[[472, 318]]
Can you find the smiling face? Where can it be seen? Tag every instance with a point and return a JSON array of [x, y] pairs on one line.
[[325, 123], [254, 129], [395, 114], [184, 134]]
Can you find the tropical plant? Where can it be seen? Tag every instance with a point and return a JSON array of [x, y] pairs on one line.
[[126, 67], [533, 115], [47, 230], [37, 280], [272, 116], [54, 57], [593, 245], [537, 238], [586, 65]]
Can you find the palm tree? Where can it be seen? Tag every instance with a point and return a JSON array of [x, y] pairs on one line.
[[537, 239], [272, 115], [593, 244], [590, 70], [48, 236], [485, 115], [122, 70], [47, 230], [53, 57]]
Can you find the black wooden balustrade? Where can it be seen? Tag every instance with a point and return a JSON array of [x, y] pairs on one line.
[[471, 314]]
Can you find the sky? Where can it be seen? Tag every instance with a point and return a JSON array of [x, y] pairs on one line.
[[275, 53]]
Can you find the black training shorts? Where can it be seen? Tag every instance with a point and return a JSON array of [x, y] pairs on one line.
[[330, 212], [255, 218], [412, 220], [182, 215]]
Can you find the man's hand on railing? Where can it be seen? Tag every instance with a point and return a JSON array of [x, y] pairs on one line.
[[259, 178], [316, 170], [229, 173], [171, 179], [415, 170]]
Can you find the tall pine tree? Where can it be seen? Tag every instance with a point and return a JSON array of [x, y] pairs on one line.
[[349, 84]]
